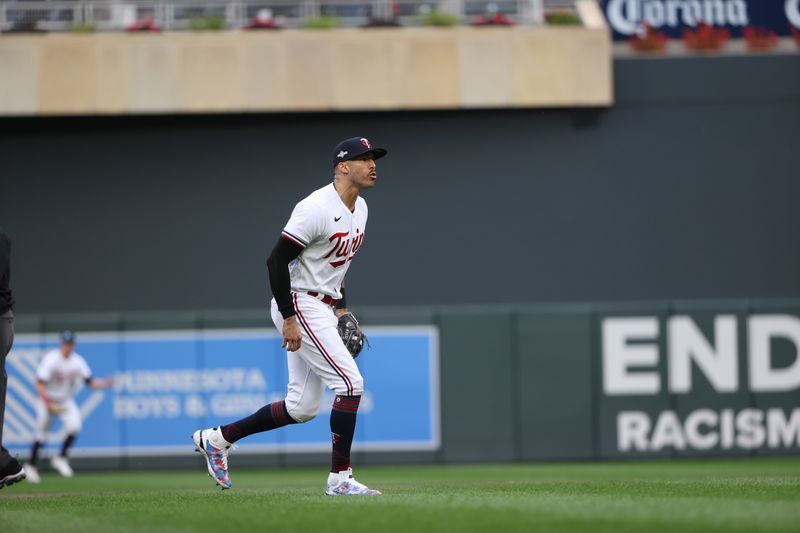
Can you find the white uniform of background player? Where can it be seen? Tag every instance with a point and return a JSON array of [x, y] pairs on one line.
[[60, 375], [63, 377], [307, 268]]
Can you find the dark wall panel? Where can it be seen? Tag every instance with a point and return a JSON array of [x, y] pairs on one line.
[[686, 188], [555, 384], [477, 386]]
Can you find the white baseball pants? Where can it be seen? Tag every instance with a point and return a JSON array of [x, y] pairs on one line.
[[321, 361], [69, 413]]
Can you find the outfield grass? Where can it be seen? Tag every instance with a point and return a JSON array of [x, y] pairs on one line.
[[697, 495]]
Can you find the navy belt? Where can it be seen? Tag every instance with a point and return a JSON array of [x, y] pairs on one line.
[[324, 298]]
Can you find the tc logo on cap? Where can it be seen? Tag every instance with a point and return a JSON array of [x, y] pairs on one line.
[[354, 148]]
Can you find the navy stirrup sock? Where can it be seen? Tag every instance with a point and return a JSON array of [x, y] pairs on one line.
[[37, 445], [67, 443], [269, 417], [343, 426]]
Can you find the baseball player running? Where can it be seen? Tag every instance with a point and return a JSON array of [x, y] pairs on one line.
[[59, 377], [306, 273]]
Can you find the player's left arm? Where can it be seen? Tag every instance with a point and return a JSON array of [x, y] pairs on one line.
[[98, 383], [93, 382], [341, 305]]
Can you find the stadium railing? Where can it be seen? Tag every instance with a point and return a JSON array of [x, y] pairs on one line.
[[109, 15]]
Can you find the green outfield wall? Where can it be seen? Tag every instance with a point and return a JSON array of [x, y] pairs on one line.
[[572, 381]]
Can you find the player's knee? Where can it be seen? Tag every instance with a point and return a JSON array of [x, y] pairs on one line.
[[301, 416], [301, 413]]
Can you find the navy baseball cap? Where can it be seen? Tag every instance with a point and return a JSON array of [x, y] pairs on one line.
[[67, 336], [353, 148]]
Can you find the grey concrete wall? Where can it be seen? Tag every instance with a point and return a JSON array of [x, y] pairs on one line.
[[687, 188]]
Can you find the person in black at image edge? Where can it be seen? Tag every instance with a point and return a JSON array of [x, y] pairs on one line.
[[10, 469]]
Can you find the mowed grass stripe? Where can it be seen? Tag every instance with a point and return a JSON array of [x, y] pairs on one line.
[[686, 495]]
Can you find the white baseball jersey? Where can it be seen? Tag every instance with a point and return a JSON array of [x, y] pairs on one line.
[[63, 376], [330, 236]]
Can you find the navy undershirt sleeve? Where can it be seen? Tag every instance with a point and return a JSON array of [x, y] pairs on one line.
[[284, 252], [342, 303]]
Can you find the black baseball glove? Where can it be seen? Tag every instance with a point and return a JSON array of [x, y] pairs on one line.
[[352, 336]]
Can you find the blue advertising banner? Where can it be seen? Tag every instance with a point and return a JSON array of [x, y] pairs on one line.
[[167, 384], [629, 17]]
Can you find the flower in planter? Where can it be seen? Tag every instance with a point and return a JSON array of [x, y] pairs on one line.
[[378, 22], [492, 17], [759, 39], [706, 38], [652, 41], [263, 21], [498, 19], [145, 24]]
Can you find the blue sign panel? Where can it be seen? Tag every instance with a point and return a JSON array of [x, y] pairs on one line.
[[629, 17], [168, 384]]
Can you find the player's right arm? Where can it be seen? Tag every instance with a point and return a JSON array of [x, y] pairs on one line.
[[304, 225], [284, 252], [42, 392], [43, 374]]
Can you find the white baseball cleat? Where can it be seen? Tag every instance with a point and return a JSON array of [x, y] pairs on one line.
[[31, 473], [61, 465], [215, 449], [344, 484]]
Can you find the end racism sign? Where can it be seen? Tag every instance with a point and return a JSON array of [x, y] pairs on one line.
[[647, 357]]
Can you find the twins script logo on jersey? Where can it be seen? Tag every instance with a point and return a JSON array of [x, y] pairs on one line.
[[344, 246]]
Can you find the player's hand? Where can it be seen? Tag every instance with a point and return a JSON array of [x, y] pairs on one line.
[[108, 382], [54, 409], [291, 334]]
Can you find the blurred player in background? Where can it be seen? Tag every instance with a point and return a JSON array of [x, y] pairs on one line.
[[10, 469], [60, 376]]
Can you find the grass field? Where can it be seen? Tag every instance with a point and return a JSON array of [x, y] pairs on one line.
[[690, 495]]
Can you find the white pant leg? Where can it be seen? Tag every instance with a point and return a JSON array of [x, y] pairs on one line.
[[43, 421], [304, 391], [321, 348], [69, 413], [71, 417], [305, 388]]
